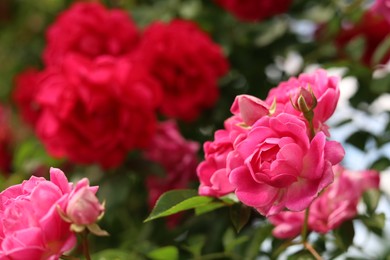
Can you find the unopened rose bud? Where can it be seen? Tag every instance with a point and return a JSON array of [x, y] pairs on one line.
[[84, 207], [304, 100]]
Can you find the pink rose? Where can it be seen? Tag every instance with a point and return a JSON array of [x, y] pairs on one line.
[[96, 111], [188, 73], [337, 204], [249, 108], [254, 10], [212, 172], [83, 206], [176, 155], [31, 227], [382, 7], [277, 166], [288, 224], [90, 30], [325, 90]]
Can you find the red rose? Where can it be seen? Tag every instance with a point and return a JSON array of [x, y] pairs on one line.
[[255, 10], [373, 29], [26, 87], [91, 30], [96, 111], [187, 63]]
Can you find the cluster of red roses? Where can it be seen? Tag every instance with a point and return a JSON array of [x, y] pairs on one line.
[[275, 155], [104, 82]]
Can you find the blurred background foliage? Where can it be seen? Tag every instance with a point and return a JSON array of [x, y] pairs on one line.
[[257, 53]]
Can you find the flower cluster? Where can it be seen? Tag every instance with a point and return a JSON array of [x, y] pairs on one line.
[[274, 154], [31, 226], [337, 204], [104, 82], [254, 10]]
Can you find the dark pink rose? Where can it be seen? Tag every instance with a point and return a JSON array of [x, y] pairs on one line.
[[277, 166], [31, 227], [288, 224], [255, 10], [325, 89], [90, 30], [96, 111], [188, 65], [337, 204], [176, 155]]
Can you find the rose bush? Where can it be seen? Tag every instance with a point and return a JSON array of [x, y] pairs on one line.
[[87, 29], [189, 80], [96, 111], [31, 227]]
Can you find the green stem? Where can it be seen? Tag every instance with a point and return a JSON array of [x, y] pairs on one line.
[[305, 226], [84, 238], [67, 257], [311, 249]]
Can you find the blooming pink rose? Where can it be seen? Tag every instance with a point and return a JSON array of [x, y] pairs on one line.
[[176, 155], [382, 7], [337, 204], [325, 89], [373, 28], [90, 30], [31, 227], [96, 111], [277, 166], [255, 10], [83, 206], [189, 73], [26, 87]]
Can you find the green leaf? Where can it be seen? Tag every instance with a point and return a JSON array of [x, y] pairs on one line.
[[163, 253], [239, 215], [208, 207], [355, 48], [195, 245], [381, 51], [371, 199], [257, 239], [230, 241], [375, 223], [115, 254], [176, 201], [344, 235]]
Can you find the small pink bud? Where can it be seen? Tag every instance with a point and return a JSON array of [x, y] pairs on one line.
[[249, 108], [304, 100], [84, 207]]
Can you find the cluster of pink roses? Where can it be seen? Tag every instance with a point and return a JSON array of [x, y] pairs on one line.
[[38, 217], [274, 155], [104, 82], [269, 154], [254, 10]]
